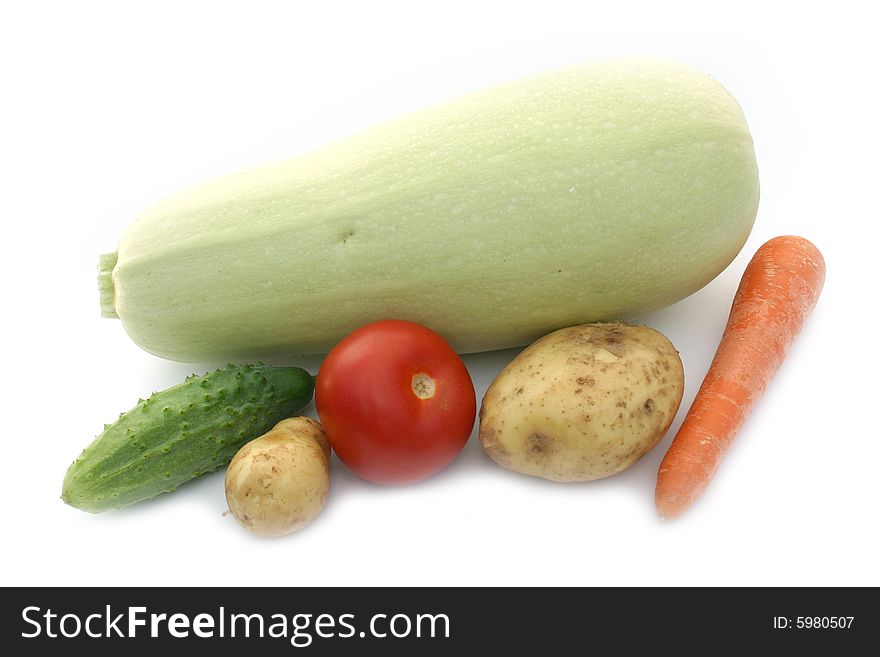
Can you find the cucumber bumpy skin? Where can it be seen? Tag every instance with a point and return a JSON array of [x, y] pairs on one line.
[[183, 432]]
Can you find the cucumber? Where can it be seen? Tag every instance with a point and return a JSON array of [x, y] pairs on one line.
[[587, 194], [183, 432]]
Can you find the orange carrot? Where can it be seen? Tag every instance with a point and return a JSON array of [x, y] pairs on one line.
[[778, 290]]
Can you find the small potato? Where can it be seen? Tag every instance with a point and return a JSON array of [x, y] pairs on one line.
[[277, 483], [582, 403]]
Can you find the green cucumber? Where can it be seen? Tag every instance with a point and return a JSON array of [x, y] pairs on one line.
[[183, 432]]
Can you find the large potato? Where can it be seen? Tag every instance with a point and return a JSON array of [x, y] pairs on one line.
[[582, 403], [276, 484]]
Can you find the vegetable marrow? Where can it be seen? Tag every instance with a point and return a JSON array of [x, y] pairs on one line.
[[586, 194]]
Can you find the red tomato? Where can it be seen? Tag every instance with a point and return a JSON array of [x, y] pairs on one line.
[[396, 402]]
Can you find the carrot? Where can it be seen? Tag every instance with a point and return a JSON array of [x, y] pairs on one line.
[[778, 290]]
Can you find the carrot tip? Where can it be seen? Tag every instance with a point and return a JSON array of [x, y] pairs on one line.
[[670, 507]]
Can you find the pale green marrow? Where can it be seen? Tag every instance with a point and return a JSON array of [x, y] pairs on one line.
[[585, 194]]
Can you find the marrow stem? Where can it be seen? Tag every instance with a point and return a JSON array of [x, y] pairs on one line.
[[106, 263]]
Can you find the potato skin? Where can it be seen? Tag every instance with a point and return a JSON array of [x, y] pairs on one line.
[[582, 403], [276, 484]]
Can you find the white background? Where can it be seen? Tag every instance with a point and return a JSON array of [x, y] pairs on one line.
[[108, 106]]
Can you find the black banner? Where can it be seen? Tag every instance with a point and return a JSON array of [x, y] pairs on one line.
[[436, 621]]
